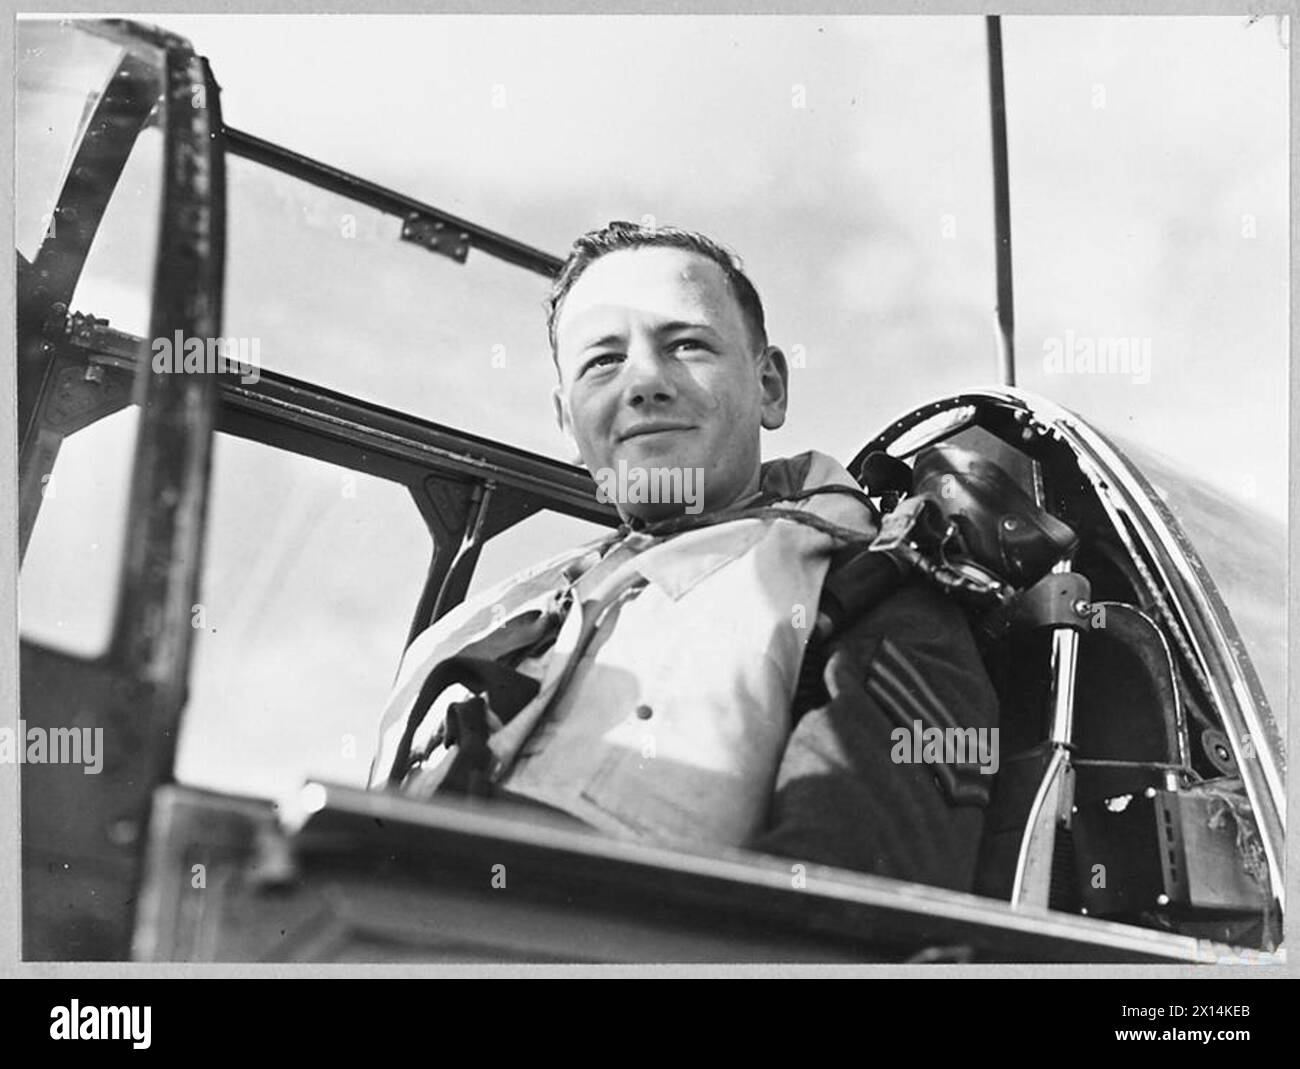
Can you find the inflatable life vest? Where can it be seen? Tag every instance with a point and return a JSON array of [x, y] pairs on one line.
[[663, 663]]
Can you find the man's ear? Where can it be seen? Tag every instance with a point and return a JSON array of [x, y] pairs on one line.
[[564, 421], [774, 381]]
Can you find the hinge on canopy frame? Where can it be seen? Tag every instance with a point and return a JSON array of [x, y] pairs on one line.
[[436, 235]]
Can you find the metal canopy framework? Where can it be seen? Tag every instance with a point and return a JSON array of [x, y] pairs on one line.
[[82, 834]]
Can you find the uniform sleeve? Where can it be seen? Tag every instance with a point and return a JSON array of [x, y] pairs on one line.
[[850, 789]]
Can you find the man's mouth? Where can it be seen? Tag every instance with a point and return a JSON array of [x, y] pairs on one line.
[[642, 430]]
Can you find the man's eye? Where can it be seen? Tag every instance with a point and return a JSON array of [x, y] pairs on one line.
[[687, 344], [600, 361]]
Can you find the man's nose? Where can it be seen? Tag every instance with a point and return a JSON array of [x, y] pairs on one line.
[[647, 376]]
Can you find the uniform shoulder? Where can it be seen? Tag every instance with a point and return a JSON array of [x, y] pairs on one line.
[[914, 611], [915, 630]]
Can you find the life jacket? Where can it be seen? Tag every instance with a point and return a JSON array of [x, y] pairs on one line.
[[667, 658]]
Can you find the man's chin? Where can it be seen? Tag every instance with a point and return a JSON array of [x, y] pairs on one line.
[[659, 451], [654, 513]]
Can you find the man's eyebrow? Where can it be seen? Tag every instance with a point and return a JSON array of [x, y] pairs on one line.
[[682, 324], [611, 338], [672, 327]]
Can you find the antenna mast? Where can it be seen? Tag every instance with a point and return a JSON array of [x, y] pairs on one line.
[[1001, 205]]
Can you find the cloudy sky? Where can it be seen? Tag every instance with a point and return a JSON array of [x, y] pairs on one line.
[[847, 160]]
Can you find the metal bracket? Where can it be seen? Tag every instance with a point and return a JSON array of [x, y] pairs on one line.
[[1059, 599], [436, 236], [76, 393], [461, 518]]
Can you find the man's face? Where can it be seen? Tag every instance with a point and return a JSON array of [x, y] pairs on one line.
[[658, 370]]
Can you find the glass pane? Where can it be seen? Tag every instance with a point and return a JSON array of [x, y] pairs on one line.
[[857, 192], [117, 281], [311, 576], [58, 72], [531, 541], [63, 71], [1244, 550], [332, 295], [70, 576]]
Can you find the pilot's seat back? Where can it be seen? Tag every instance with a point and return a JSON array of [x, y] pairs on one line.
[[1125, 739], [1007, 558]]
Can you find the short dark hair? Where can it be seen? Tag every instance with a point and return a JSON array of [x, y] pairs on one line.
[[620, 235]]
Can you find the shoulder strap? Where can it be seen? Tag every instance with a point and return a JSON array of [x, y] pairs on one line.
[[484, 666]]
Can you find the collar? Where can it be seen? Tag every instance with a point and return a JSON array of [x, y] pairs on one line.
[[719, 538]]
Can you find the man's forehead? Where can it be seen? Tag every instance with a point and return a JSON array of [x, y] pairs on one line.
[[654, 283]]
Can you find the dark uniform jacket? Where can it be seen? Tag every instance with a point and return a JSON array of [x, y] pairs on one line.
[[841, 797]]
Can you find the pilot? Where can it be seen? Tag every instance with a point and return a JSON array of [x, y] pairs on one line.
[[675, 682]]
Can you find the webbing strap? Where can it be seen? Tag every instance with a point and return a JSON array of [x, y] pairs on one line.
[[479, 667]]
